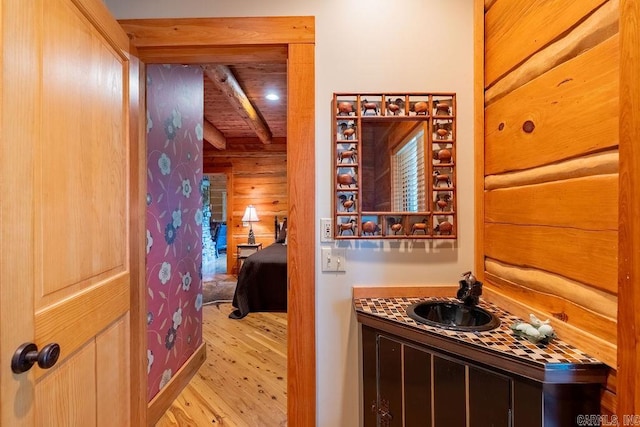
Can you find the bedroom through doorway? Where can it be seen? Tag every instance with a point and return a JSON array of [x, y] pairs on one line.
[[251, 349]]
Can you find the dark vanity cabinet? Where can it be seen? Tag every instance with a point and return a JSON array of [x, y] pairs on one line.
[[410, 384], [397, 381]]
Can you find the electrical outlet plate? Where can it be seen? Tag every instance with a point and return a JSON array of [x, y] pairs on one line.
[[326, 230]]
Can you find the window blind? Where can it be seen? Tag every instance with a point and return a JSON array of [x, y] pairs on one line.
[[408, 175]]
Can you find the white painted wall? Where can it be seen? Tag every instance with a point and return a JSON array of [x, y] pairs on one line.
[[367, 46]]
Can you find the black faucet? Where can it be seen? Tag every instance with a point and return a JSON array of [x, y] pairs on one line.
[[470, 289]]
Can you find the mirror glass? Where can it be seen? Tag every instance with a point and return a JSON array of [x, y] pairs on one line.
[[393, 165]]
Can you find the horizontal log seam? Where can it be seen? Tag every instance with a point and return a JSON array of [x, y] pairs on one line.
[[597, 27], [593, 323], [595, 164], [592, 299], [594, 345]]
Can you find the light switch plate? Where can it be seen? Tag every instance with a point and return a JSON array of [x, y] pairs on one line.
[[333, 259]]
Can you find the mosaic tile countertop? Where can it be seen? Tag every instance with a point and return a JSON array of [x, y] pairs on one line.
[[500, 340]]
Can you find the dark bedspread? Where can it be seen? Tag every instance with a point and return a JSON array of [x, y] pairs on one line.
[[262, 282]]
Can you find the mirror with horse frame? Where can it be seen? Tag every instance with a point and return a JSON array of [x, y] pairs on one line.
[[394, 163]]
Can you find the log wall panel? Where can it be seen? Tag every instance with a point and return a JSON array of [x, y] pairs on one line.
[[608, 402], [488, 4], [581, 255], [598, 27], [599, 302], [570, 321], [534, 23], [270, 185], [589, 203], [549, 237], [609, 399], [573, 108], [595, 164], [254, 166], [576, 335], [555, 308]]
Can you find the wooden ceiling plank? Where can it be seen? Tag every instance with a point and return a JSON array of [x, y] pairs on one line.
[[213, 136], [224, 79]]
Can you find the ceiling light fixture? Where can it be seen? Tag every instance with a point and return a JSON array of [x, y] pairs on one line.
[[272, 97]]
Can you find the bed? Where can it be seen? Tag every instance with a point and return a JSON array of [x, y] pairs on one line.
[[262, 280]]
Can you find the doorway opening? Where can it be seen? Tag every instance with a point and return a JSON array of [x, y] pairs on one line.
[[197, 41], [214, 256]]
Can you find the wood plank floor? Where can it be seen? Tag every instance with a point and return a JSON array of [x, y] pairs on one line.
[[243, 381]]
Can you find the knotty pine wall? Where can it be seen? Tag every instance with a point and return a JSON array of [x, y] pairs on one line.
[[259, 178], [550, 232]]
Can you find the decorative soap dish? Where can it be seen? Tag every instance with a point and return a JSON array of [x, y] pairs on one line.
[[536, 331]]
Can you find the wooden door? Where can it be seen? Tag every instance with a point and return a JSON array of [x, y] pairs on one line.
[[65, 222]]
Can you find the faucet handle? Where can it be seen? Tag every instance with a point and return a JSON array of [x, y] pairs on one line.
[[469, 278]]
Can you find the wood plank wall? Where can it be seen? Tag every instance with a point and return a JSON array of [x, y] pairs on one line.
[[259, 179], [550, 232]]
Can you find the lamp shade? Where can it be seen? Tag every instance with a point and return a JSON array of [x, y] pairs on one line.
[[250, 214]]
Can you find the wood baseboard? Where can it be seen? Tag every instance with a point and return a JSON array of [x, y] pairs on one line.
[[163, 400]]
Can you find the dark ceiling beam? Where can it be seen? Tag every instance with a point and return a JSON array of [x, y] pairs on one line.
[[213, 136], [223, 79]]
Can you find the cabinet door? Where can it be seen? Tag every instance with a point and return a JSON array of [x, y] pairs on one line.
[[489, 399], [527, 403], [417, 387], [449, 388], [563, 403], [389, 382], [369, 377]]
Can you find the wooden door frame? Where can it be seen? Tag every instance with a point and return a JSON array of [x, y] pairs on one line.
[[202, 40], [628, 374]]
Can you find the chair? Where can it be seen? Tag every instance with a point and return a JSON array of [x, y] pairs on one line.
[[221, 238]]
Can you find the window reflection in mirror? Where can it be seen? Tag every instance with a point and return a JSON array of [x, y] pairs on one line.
[[393, 165]]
